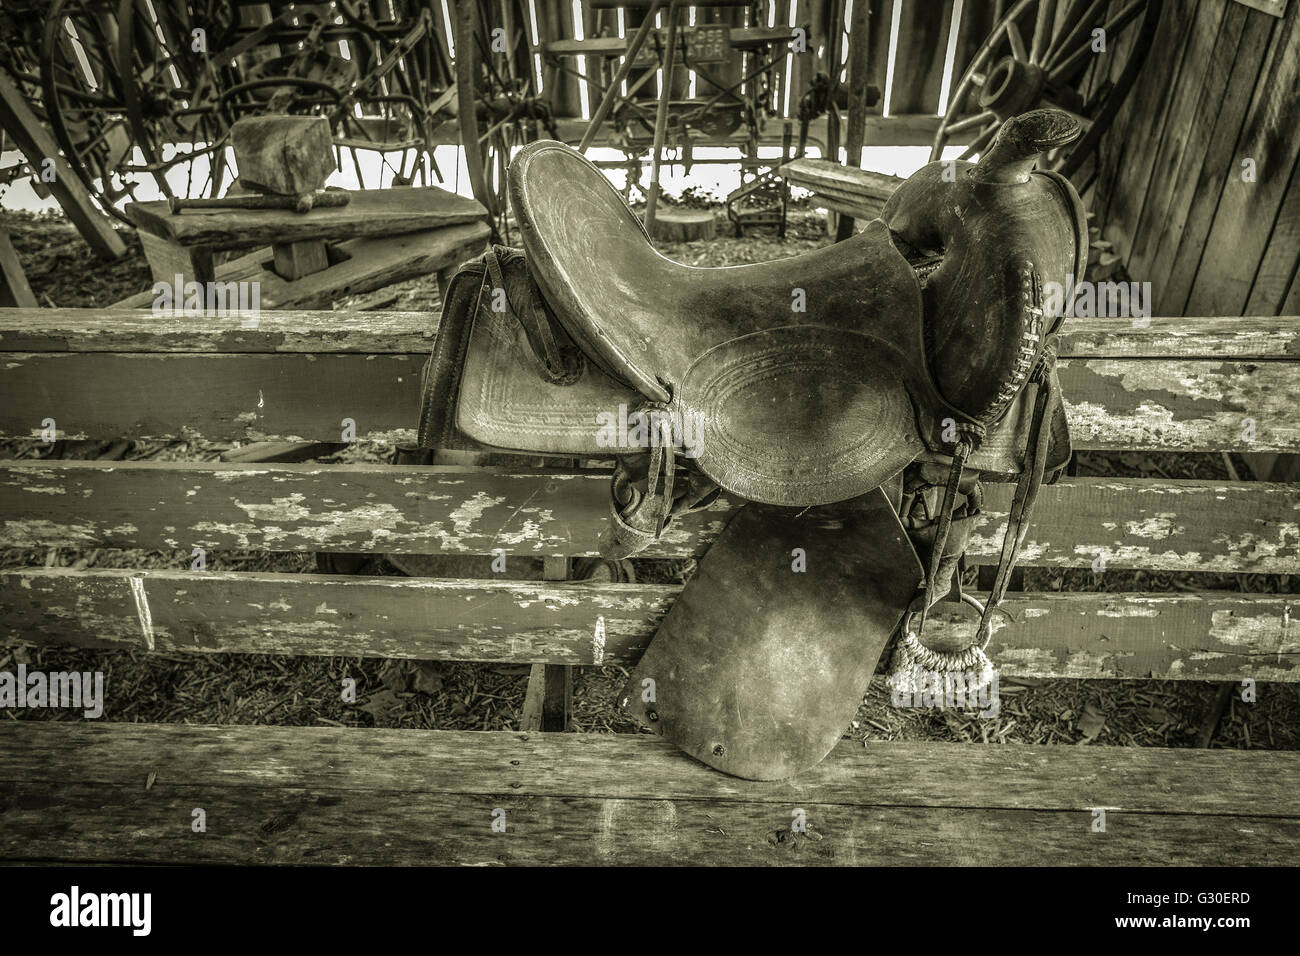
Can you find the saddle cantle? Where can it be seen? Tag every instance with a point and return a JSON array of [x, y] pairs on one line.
[[857, 393]]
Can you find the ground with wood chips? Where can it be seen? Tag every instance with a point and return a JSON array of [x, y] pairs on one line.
[[264, 689]]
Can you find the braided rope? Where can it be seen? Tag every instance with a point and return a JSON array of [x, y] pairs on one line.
[[911, 655]]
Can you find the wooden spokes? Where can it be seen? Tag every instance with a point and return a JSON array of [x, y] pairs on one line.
[[1046, 53]]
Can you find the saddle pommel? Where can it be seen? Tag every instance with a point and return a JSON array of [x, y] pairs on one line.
[[1021, 141]]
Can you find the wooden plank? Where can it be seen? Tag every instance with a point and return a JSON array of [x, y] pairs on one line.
[[859, 76], [285, 330], [846, 183], [1263, 337], [14, 289], [371, 212], [300, 397], [74, 791], [741, 37], [168, 260], [548, 700], [1133, 523], [918, 67], [37, 144], [562, 87], [1276, 8], [1189, 405], [1217, 164], [1126, 171], [1150, 98], [976, 23], [1247, 210], [369, 263], [1181, 123], [1185, 636], [1278, 281], [908, 130], [882, 20], [383, 332], [293, 260], [1159, 245], [1179, 782]]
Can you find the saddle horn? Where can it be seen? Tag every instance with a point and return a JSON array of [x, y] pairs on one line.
[[1021, 141]]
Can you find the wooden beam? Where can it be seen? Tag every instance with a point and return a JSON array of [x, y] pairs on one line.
[[371, 212], [1183, 636], [366, 264], [549, 698], [1119, 404], [413, 509], [284, 330], [1240, 233], [168, 260], [74, 792], [742, 38], [907, 130], [14, 290], [293, 260], [1266, 337], [37, 144], [859, 77]]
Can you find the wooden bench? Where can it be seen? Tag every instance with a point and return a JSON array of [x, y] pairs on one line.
[[91, 791], [381, 237]]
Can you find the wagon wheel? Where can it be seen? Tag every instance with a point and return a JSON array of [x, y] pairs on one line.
[[1025, 63], [172, 92], [82, 97], [497, 99]]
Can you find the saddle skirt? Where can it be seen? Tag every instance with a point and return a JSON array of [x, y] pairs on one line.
[[857, 394]]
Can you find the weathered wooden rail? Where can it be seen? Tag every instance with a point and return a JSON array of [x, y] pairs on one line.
[[75, 791]]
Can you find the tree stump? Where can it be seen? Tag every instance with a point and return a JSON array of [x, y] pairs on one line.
[[678, 224]]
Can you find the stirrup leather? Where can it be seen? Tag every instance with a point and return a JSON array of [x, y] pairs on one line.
[[911, 653], [638, 518]]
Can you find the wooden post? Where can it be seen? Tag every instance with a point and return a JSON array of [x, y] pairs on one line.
[[37, 144], [859, 44], [14, 290], [611, 91], [548, 701], [293, 260], [661, 116], [168, 259]]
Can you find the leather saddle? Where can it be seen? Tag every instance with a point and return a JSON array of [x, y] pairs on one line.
[[857, 395]]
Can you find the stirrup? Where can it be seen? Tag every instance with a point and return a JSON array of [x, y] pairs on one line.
[[911, 656]]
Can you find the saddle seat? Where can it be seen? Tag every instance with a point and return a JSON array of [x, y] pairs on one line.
[[798, 380]]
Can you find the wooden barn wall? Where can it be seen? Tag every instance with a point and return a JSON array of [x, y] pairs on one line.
[[1221, 86], [915, 87]]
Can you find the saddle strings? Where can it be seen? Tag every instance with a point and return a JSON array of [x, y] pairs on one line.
[[559, 365], [1027, 487], [972, 435]]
